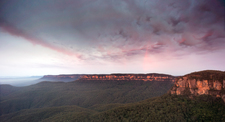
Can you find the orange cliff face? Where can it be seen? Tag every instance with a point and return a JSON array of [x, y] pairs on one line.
[[128, 77], [205, 84], [110, 77]]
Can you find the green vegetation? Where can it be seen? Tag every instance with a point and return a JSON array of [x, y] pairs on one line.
[[111, 101], [165, 108], [95, 95], [63, 113], [210, 75], [168, 108]]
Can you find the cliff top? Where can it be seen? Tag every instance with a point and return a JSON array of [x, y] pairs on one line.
[[210, 75]]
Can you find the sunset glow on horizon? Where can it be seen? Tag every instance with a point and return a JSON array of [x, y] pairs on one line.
[[104, 36]]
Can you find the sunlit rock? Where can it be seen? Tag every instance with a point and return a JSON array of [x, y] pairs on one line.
[[181, 83], [192, 83], [192, 91], [217, 85], [129, 77], [200, 83]]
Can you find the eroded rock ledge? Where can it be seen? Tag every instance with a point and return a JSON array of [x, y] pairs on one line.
[[128, 77], [201, 83], [110, 77]]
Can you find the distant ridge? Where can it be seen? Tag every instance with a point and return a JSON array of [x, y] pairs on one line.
[[118, 97], [128, 77], [107, 77], [64, 78]]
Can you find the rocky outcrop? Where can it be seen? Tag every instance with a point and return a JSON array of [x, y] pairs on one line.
[[128, 77], [201, 83], [109, 77]]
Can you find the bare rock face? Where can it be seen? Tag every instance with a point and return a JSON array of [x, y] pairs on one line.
[[201, 83], [192, 83], [202, 87], [217, 85], [128, 77]]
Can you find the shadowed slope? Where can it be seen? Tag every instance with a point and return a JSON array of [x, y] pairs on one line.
[[81, 93]]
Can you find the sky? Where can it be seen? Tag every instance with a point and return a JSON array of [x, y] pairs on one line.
[[50, 37]]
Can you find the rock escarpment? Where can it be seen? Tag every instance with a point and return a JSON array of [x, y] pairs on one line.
[[201, 83], [128, 77], [109, 77]]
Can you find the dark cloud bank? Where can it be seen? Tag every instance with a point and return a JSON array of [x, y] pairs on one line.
[[114, 29]]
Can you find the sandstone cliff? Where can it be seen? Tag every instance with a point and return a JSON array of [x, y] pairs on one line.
[[128, 77], [201, 83], [109, 77]]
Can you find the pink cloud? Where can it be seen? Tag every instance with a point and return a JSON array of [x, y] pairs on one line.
[[16, 32], [128, 28]]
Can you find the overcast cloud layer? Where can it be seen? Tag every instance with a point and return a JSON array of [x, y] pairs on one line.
[[117, 30]]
